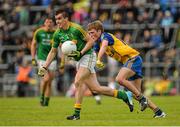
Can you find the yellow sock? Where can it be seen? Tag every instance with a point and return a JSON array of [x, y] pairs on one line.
[[115, 93], [77, 106]]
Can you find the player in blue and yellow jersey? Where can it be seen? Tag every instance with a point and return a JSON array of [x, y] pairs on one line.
[[41, 45], [130, 75], [86, 61]]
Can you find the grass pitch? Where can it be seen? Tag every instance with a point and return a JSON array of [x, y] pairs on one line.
[[112, 112]]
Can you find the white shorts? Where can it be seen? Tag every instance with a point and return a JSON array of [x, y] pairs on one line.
[[87, 61], [52, 66]]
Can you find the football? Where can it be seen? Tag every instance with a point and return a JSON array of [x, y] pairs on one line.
[[68, 47]]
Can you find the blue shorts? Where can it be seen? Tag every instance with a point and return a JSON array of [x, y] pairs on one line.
[[135, 64]]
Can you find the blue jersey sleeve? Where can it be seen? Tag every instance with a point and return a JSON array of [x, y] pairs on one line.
[[96, 47], [108, 37]]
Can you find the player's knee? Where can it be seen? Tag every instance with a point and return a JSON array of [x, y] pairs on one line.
[[120, 80], [46, 79], [77, 83], [96, 90]]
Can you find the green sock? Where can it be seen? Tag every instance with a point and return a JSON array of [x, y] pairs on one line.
[[77, 111], [46, 101], [122, 95], [42, 98]]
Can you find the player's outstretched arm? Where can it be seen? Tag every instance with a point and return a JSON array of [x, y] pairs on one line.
[[102, 49], [43, 70], [89, 44], [33, 52], [50, 57], [99, 64]]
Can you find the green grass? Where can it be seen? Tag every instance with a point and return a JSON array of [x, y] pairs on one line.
[[112, 112]]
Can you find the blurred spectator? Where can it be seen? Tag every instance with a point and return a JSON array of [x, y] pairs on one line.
[[178, 35], [146, 39], [118, 34], [45, 2], [128, 38], [129, 18], [24, 73], [169, 60], [158, 17], [167, 20], [156, 39], [104, 17], [162, 86], [117, 18], [23, 13]]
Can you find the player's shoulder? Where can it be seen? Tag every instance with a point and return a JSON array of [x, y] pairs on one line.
[[75, 25], [78, 28], [106, 35], [40, 29], [56, 31]]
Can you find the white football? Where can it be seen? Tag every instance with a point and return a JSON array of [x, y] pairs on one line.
[[68, 47]]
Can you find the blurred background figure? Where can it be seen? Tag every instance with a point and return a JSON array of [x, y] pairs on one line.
[[24, 75]]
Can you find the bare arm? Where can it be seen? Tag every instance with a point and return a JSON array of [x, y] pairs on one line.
[[33, 49], [62, 58], [102, 49], [50, 57], [89, 44]]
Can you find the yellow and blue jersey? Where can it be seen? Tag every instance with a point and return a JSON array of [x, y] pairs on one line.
[[121, 52], [116, 48]]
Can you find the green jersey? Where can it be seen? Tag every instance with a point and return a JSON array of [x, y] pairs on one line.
[[43, 39], [74, 33]]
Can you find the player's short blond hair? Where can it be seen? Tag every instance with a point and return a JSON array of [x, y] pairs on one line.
[[97, 25]]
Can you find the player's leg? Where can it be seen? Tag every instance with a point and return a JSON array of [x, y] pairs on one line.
[[122, 77], [43, 85], [130, 69], [48, 88], [97, 97], [81, 75], [157, 111], [94, 85], [50, 76]]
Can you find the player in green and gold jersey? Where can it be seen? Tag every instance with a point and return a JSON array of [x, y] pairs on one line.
[[86, 58], [42, 42]]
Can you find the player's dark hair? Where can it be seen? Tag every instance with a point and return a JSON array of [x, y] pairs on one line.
[[97, 25], [63, 12], [49, 17]]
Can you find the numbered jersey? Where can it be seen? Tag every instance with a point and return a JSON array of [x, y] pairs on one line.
[[43, 39], [74, 33], [116, 49]]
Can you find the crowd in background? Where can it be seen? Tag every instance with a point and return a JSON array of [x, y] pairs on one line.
[[155, 18]]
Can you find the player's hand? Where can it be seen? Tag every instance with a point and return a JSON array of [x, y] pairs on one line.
[[100, 65], [75, 54], [42, 71], [34, 62]]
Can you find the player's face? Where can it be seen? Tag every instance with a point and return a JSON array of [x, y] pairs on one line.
[[95, 34], [60, 20], [48, 24]]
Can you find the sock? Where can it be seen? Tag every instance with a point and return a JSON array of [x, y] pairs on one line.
[[77, 109], [97, 97], [120, 94], [46, 101], [139, 97], [94, 94], [42, 98], [157, 111]]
